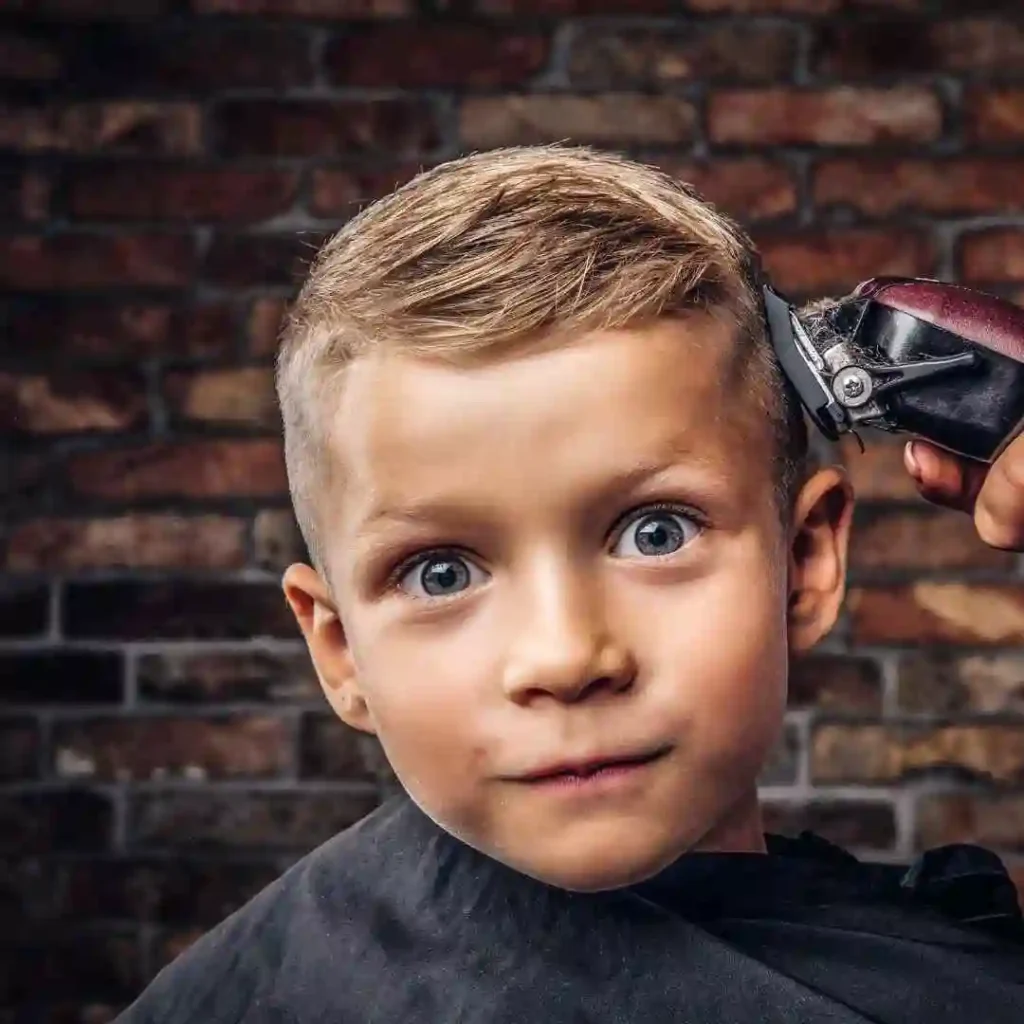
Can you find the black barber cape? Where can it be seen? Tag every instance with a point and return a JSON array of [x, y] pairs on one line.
[[396, 921]]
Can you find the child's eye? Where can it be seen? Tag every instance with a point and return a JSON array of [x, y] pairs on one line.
[[656, 532], [438, 574]]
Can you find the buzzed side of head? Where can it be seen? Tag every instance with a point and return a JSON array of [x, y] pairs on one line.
[[492, 253]]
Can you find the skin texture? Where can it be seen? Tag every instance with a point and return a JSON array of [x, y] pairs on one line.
[[573, 619]]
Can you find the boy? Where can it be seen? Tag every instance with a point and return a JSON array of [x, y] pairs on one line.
[[565, 538]]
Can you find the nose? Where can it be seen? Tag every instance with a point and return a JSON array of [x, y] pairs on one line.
[[565, 647]]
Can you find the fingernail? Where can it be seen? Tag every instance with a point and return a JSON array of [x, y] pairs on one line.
[[913, 453]]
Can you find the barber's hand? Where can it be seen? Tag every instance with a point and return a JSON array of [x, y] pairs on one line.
[[993, 495]]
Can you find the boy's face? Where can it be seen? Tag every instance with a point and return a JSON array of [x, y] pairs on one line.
[[569, 555]]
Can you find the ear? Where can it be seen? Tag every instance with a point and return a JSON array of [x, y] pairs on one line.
[[317, 615], [819, 538]]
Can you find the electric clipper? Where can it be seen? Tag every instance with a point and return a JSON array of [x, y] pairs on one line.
[[914, 356]]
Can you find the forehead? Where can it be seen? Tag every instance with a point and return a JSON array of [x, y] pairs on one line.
[[536, 425]]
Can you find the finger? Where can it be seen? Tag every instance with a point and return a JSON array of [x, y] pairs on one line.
[[999, 511], [941, 477]]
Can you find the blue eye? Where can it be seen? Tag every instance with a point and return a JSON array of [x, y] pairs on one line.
[[656, 533], [440, 575]]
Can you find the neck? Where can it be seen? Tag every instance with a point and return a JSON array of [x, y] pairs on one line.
[[741, 830]]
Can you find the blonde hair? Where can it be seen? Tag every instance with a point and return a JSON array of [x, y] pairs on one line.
[[485, 254]]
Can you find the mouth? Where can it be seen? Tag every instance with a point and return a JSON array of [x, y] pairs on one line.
[[570, 771]]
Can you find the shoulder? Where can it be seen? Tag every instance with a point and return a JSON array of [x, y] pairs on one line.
[[234, 971]]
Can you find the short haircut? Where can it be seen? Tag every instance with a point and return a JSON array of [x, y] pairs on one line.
[[487, 253]]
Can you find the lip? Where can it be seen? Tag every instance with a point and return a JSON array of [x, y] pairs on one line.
[[593, 767]]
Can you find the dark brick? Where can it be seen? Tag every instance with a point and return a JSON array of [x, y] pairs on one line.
[[419, 54], [29, 56], [126, 193], [165, 891], [243, 676], [325, 9], [617, 58], [59, 821], [192, 58], [836, 683], [67, 401], [85, 965], [61, 677], [24, 195], [333, 750], [69, 262], [850, 824], [122, 749], [266, 317], [176, 611], [277, 541], [203, 470], [245, 261], [62, 327], [321, 128], [211, 820], [88, 10], [24, 609], [783, 764], [19, 749], [340, 192]]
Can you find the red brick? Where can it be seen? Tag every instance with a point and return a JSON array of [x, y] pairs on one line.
[[136, 541], [87, 328], [836, 683], [834, 261], [993, 820], [881, 188], [28, 58], [19, 749], [621, 58], [251, 675], [125, 192], [126, 127], [902, 45], [878, 472], [265, 321], [60, 403], [610, 119], [73, 261], [748, 188], [938, 612], [307, 8], [237, 396], [245, 261], [946, 683], [854, 825], [200, 469], [841, 116], [921, 537], [880, 754], [325, 128], [341, 192], [995, 114], [763, 6], [994, 255], [424, 55], [297, 820], [277, 542], [243, 746]]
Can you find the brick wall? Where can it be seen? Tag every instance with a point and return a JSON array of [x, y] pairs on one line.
[[168, 169]]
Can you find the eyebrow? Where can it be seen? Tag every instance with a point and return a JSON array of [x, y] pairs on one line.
[[422, 513]]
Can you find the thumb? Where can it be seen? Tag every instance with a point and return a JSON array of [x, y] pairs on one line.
[[941, 477]]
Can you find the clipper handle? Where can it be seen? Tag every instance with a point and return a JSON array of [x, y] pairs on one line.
[[909, 355]]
